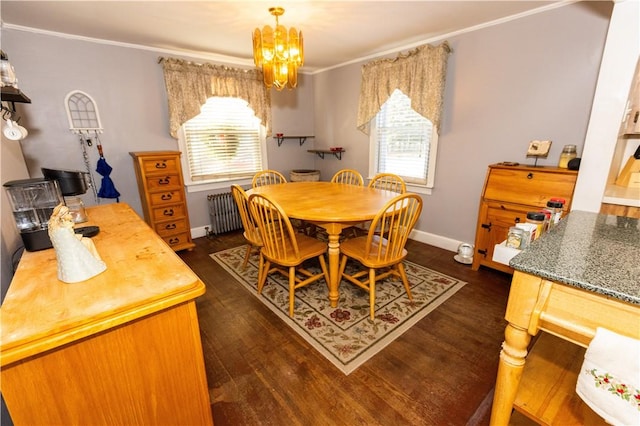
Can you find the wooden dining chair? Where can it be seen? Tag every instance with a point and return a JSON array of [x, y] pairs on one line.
[[283, 249], [251, 232], [388, 182], [348, 176], [267, 177], [382, 256]]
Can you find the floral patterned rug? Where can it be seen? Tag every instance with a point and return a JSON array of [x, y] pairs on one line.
[[345, 335]]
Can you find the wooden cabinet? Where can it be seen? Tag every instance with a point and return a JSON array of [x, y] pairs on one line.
[[121, 348], [509, 193], [163, 197]]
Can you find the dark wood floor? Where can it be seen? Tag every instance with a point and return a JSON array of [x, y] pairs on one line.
[[440, 372]]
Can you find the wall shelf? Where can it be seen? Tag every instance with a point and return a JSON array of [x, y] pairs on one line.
[[11, 94], [322, 152], [301, 139]]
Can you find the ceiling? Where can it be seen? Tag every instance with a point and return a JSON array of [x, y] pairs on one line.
[[335, 32]]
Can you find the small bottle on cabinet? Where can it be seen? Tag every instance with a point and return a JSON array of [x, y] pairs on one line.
[[555, 207], [568, 153], [548, 217]]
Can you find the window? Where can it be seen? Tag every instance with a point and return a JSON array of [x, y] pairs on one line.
[[224, 142], [403, 142]]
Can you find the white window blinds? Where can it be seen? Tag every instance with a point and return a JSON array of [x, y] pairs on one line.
[[403, 141], [223, 141]]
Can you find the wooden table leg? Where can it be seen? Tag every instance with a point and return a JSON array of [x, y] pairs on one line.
[[333, 231], [334, 266], [512, 360]]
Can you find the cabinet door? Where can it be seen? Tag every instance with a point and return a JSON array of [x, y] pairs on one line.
[[498, 218]]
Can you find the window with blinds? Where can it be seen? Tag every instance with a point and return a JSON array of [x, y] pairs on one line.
[[403, 142], [224, 142]]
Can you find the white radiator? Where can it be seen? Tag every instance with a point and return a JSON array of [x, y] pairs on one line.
[[223, 213]]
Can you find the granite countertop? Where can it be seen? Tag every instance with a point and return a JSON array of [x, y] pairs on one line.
[[595, 252]]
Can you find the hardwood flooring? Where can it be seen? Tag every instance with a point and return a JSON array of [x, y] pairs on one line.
[[440, 372]]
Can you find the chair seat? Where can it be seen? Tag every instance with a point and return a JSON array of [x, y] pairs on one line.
[[308, 247], [253, 237], [356, 247]]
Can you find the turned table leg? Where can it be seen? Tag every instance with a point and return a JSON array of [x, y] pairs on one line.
[[334, 266], [512, 360]]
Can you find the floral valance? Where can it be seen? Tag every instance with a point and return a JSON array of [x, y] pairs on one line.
[[420, 74], [189, 85]]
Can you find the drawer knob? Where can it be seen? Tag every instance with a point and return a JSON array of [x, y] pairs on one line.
[[170, 226], [168, 212], [164, 181], [162, 165], [530, 176], [167, 196], [173, 241]]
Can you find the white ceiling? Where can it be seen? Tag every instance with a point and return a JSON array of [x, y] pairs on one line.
[[335, 32]]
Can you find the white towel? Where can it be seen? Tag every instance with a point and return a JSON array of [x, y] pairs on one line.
[[609, 381]]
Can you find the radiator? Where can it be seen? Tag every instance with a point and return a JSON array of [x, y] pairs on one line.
[[223, 213]]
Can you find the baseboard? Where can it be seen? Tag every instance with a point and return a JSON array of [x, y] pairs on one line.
[[199, 232], [421, 236], [435, 240]]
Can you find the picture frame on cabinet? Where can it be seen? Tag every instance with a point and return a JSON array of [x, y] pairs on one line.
[[539, 148]]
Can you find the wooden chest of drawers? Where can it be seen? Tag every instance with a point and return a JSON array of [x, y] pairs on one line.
[[164, 203], [509, 193]]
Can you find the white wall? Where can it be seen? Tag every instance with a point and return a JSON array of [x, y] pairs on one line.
[[531, 78]]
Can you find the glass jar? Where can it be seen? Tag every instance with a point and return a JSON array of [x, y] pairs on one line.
[[536, 218], [568, 153], [555, 207], [76, 209], [515, 238], [548, 217]]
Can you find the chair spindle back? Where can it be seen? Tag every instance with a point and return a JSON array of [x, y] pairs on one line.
[[388, 182], [349, 177], [268, 177]]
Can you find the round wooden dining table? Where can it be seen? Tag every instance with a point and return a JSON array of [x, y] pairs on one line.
[[332, 206]]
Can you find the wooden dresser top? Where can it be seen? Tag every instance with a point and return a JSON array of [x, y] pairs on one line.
[[144, 275]]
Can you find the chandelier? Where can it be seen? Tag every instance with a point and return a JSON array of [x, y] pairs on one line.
[[278, 52]]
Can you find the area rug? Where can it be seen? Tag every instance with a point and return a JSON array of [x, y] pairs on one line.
[[345, 335]]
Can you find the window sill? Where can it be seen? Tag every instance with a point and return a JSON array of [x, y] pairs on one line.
[[209, 186], [419, 189]]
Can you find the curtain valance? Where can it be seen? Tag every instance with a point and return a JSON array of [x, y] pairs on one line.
[[189, 85], [420, 74]]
